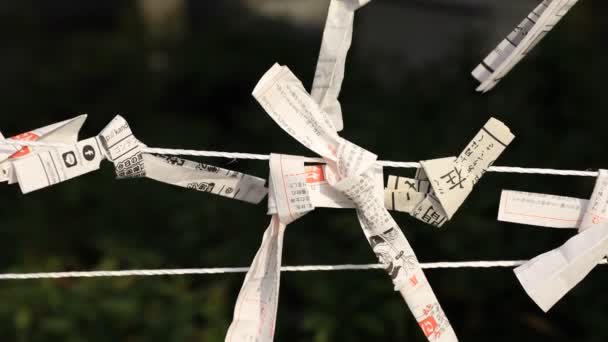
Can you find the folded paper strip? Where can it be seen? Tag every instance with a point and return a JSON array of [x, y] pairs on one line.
[[329, 74], [284, 98], [125, 151], [520, 42], [550, 276], [442, 185], [38, 167], [256, 307]]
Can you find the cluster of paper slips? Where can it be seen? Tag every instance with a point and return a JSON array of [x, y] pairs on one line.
[[348, 178]]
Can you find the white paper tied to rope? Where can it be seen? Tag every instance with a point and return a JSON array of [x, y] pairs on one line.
[[38, 167], [520, 42], [550, 276], [329, 74], [64, 133], [542, 210], [55, 155], [284, 98], [322, 194], [125, 151], [442, 185], [255, 311]]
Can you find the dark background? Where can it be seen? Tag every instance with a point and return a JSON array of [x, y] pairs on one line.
[[186, 83]]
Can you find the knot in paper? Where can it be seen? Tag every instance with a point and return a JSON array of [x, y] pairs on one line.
[[123, 149], [288, 196], [442, 185], [284, 98], [126, 152]]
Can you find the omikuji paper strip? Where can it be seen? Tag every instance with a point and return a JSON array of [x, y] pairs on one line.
[[550, 276], [284, 98], [442, 185], [520, 42], [337, 39]]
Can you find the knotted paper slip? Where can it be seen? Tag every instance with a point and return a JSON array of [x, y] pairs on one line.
[[442, 185], [125, 151], [38, 167], [284, 98], [329, 74], [550, 276], [520, 42], [256, 307], [64, 132]]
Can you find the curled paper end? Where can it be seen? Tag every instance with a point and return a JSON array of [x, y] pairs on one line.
[[531, 276], [499, 131], [123, 149], [363, 2], [63, 132], [267, 79], [331, 64]]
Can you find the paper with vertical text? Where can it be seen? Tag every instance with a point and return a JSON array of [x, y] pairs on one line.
[[255, 312], [284, 98], [520, 42], [329, 74]]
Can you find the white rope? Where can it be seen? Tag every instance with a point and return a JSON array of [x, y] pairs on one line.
[[226, 270], [386, 163]]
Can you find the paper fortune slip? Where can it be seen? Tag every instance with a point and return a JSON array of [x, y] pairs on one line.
[[520, 42], [284, 98], [442, 185], [38, 167], [323, 194], [550, 276], [541, 209], [125, 151], [255, 311], [329, 74], [64, 132], [45, 168]]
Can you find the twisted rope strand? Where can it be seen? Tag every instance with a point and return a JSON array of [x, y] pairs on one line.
[[238, 155], [228, 270]]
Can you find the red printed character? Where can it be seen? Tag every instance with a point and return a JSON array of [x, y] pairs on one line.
[[428, 326], [413, 281], [28, 136], [314, 174]]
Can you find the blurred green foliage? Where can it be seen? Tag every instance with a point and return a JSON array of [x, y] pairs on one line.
[[67, 57]]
